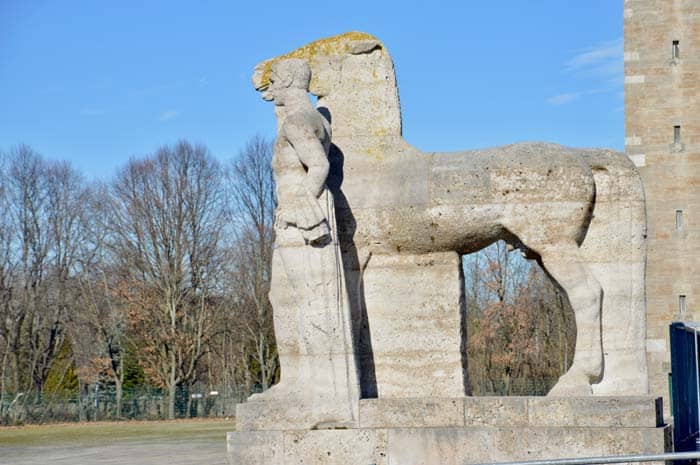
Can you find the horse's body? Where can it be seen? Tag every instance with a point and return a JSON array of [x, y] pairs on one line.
[[464, 201], [579, 212]]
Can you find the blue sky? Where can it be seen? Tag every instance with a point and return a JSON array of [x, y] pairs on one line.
[[97, 82]]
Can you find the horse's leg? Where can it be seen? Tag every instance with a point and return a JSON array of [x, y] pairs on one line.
[[565, 266]]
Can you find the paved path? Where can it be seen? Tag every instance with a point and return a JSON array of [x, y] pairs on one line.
[[157, 452]]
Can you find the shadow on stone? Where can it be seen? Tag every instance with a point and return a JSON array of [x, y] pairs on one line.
[[353, 273]]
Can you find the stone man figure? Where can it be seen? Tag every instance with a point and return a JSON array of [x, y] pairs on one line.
[[308, 295]]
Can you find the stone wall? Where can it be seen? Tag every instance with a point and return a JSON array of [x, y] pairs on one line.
[[663, 91], [458, 431]]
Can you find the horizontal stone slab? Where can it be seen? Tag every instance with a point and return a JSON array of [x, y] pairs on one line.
[[593, 411], [253, 447], [444, 446], [335, 447], [533, 443], [276, 416], [596, 411], [411, 413], [470, 412], [632, 411], [496, 411]]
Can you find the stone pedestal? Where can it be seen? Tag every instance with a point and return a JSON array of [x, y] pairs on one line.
[[415, 309], [455, 431]]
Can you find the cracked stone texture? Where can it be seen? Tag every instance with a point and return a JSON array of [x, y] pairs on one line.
[[466, 430], [404, 215]]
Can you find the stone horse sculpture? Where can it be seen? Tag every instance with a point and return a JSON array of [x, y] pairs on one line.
[[405, 217]]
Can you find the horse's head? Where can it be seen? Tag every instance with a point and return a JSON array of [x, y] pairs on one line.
[[353, 77]]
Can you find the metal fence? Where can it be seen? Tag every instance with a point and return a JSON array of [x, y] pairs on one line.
[[99, 404], [513, 387], [685, 380], [146, 403]]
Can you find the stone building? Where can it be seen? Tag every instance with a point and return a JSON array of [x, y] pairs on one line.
[[662, 137]]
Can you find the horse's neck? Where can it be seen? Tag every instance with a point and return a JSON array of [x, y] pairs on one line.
[[364, 102]]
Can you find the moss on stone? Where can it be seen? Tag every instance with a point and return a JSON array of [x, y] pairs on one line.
[[330, 46]]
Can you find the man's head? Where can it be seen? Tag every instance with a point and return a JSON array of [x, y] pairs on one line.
[[291, 73]]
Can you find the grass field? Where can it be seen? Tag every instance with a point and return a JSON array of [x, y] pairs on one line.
[[133, 442], [101, 432]]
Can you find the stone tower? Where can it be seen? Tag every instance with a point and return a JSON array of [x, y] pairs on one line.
[[662, 137]]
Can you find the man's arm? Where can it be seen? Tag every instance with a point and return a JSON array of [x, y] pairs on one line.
[[311, 154]]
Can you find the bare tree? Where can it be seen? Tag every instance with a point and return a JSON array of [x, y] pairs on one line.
[[252, 190], [31, 351], [7, 274], [166, 259], [98, 332], [39, 244], [520, 327], [97, 326], [168, 222], [70, 250]]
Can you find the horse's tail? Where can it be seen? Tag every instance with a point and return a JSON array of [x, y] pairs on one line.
[[615, 250]]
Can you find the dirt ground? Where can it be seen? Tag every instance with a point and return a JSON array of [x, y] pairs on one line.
[[135, 443]]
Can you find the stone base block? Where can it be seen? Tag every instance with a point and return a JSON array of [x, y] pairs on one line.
[[274, 416], [415, 310], [461, 431]]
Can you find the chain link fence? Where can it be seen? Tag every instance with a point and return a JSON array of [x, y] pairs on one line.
[[513, 387], [102, 404]]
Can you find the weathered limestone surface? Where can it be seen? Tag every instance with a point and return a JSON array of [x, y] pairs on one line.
[[256, 447], [431, 412], [367, 287], [466, 430], [312, 317], [417, 346], [595, 412], [580, 211], [475, 412]]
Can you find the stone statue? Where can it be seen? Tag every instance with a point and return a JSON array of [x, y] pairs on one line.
[[368, 292], [404, 218], [310, 305]]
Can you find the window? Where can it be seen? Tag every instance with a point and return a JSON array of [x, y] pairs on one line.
[[681, 304], [676, 134], [675, 50], [679, 219]]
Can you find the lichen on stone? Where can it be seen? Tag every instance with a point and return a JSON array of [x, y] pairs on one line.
[[331, 46]]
